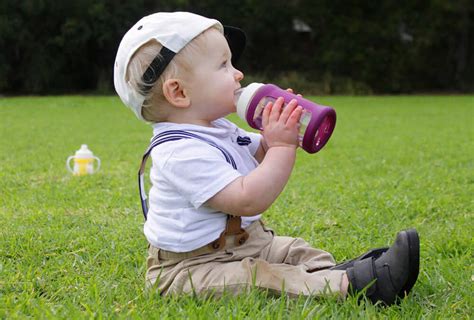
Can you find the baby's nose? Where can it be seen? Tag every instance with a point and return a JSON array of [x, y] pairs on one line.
[[238, 75]]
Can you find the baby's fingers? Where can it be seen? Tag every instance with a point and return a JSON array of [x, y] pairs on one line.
[[276, 110], [295, 116], [266, 113], [288, 110], [291, 91]]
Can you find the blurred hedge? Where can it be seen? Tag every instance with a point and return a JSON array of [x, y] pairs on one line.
[[350, 46]]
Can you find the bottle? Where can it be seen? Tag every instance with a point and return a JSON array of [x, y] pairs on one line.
[[83, 162], [317, 122]]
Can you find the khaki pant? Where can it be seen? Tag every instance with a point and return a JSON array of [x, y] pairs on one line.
[[277, 264]]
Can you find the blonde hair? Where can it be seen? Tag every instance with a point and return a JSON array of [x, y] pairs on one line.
[[181, 64]]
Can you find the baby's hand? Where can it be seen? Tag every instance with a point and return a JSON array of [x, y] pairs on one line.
[[280, 127], [291, 91]]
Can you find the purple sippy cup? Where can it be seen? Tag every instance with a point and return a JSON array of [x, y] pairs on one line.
[[317, 122]]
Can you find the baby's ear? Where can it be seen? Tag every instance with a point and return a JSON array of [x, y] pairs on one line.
[[175, 93]]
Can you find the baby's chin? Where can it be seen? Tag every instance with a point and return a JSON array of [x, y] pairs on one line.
[[230, 109]]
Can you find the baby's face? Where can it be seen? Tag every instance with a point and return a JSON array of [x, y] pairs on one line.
[[213, 81]]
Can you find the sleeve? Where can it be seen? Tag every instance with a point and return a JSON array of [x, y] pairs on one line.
[[197, 170]]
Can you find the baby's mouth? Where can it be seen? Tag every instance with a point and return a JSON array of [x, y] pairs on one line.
[[237, 95]]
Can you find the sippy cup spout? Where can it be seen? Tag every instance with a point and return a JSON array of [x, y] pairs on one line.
[[84, 152], [244, 96]]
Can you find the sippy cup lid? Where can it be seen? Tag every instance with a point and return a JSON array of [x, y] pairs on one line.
[[84, 152], [245, 96]]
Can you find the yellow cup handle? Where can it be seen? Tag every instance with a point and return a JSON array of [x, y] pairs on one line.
[[68, 163], [98, 164]]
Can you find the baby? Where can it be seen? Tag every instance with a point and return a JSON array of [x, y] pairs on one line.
[[212, 181]]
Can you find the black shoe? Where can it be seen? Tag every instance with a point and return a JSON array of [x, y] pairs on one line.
[[391, 275], [374, 253]]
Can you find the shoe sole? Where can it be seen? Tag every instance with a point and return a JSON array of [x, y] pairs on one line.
[[414, 261]]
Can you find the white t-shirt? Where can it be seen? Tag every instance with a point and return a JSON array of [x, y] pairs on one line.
[[188, 172]]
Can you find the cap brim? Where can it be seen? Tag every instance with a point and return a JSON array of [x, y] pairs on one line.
[[236, 39]]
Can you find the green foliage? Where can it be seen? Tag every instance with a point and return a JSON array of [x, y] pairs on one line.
[[383, 47], [73, 247]]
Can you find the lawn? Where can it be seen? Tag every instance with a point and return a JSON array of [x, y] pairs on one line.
[[73, 247]]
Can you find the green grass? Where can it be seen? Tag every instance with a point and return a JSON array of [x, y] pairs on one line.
[[72, 247]]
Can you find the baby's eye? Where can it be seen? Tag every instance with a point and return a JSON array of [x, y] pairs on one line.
[[224, 64]]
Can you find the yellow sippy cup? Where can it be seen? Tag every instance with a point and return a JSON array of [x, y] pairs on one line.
[[83, 162]]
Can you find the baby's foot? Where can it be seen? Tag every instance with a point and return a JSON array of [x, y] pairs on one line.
[[391, 275]]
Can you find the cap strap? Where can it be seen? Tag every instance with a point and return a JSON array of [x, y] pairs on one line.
[[156, 68]]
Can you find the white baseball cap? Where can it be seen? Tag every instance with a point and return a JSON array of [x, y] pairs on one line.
[[173, 30]]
